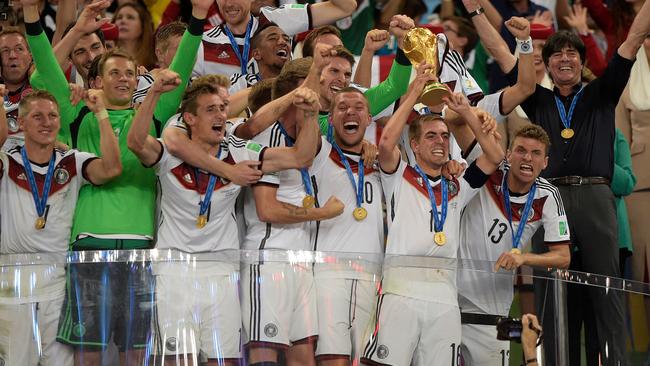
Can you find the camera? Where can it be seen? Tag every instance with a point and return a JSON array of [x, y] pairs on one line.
[[509, 329]]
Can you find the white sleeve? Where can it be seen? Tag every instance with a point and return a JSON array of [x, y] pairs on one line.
[[390, 182], [556, 225], [291, 18], [241, 150], [160, 166], [321, 157], [81, 160], [491, 103], [144, 84], [176, 121], [471, 183]]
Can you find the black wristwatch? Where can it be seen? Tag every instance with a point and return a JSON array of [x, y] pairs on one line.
[[476, 12]]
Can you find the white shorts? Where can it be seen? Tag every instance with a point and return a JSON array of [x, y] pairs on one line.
[[198, 315], [278, 304], [28, 335], [416, 332], [345, 308], [480, 346]]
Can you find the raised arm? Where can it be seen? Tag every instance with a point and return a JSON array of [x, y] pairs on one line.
[[525, 86], [143, 145], [89, 21], [328, 12], [109, 166], [492, 154], [389, 155], [66, 12], [264, 117], [637, 34], [490, 38], [375, 40], [302, 153]]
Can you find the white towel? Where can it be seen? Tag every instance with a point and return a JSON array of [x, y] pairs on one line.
[[640, 81]]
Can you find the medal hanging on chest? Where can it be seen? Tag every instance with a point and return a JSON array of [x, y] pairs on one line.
[[567, 133], [439, 236], [359, 213], [204, 204], [39, 201]]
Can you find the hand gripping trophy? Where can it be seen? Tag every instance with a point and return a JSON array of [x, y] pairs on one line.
[[421, 45]]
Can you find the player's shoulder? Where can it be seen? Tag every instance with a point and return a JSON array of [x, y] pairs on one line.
[[544, 187]]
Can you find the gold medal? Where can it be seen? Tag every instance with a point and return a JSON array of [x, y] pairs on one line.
[[567, 133], [201, 221], [440, 238], [40, 223], [360, 213], [308, 201], [515, 251]]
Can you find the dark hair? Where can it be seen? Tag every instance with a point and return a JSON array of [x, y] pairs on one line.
[[98, 32], [465, 29], [194, 91], [261, 93], [257, 37], [533, 132], [291, 72], [13, 30], [167, 31], [93, 70], [561, 39], [309, 42], [345, 54]]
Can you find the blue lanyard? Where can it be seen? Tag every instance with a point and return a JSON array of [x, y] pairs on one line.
[[205, 203], [516, 237], [564, 116], [306, 181], [40, 202], [438, 222], [358, 186], [243, 59]]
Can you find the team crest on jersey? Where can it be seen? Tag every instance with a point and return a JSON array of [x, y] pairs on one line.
[[271, 330], [453, 188], [170, 344], [382, 351], [531, 213], [61, 176], [13, 124], [21, 176]]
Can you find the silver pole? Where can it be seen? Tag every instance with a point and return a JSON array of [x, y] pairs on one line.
[[561, 338]]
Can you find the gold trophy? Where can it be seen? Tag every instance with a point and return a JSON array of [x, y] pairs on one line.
[[421, 45]]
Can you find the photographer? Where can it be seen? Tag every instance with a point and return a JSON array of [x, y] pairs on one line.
[[531, 331]]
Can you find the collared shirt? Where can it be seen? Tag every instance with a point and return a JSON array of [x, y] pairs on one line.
[[590, 152]]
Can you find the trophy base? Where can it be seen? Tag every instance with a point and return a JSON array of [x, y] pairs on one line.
[[433, 94]]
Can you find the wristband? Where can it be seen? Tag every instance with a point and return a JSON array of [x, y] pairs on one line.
[[476, 12], [103, 114], [525, 47], [531, 360]]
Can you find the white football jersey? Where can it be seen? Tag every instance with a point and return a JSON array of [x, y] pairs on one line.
[[262, 235], [344, 233], [486, 234], [216, 55], [18, 211], [182, 192], [15, 136], [411, 231]]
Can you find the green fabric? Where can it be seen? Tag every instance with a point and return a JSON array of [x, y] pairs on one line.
[[623, 181], [126, 205], [381, 96], [479, 70], [362, 21]]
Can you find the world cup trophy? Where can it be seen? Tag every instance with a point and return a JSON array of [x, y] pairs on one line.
[[421, 45]]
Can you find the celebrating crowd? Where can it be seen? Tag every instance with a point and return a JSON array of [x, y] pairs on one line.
[[498, 131]]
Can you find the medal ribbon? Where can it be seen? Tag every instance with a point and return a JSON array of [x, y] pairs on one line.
[[564, 116], [516, 237], [357, 186], [243, 59], [205, 203], [39, 202], [306, 181], [438, 222]]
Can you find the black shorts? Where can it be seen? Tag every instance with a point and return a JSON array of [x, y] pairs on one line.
[[105, 300]]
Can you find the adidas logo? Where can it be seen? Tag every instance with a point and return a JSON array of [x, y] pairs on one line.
[[224, 54], [187, 178]]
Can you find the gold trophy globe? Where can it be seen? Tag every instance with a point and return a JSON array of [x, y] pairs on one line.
[[421, 45]]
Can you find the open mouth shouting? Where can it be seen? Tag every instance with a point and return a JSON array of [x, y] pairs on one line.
[[351, 127]]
